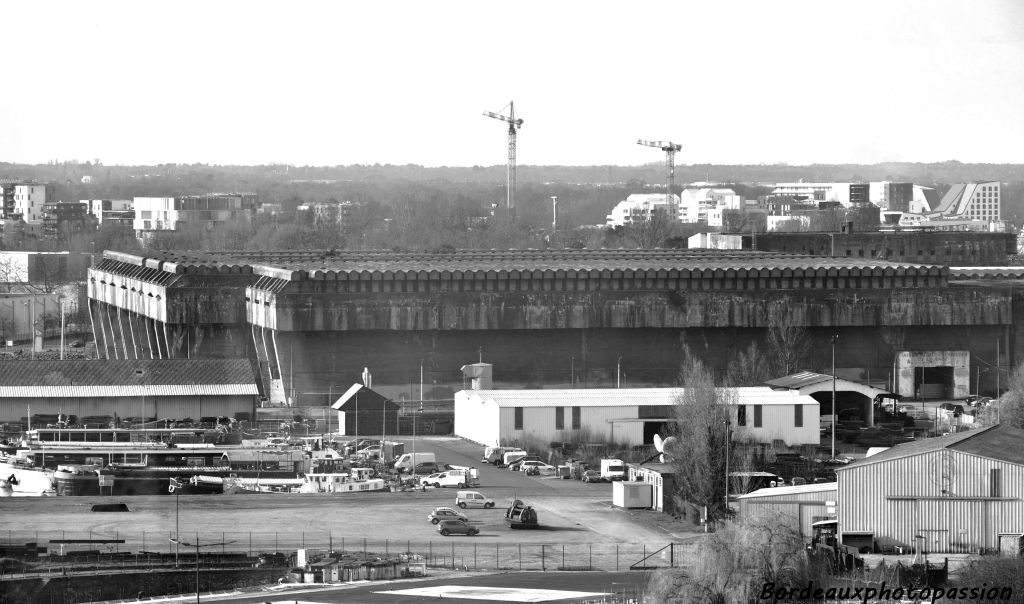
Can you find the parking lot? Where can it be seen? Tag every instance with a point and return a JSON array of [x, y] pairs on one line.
[[569, 511]]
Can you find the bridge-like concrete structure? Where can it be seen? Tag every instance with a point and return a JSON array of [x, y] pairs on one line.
[[315, 319]]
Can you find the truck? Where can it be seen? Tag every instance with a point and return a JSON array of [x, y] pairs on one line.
[[407, 461], [613, 469], [496, 455], [512, 455]]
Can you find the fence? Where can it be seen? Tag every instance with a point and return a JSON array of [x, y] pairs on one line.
[[135, 551]]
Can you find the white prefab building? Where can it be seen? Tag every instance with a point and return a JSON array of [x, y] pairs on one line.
[[631, 416]]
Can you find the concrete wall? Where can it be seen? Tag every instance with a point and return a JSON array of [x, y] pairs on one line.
[[952, 248], [908, 362]]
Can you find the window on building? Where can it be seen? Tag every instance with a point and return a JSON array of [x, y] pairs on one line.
[[576, 418], [518, 419], [995, 480], [741, 415], [757, 416], [559, 418], [798, 416]]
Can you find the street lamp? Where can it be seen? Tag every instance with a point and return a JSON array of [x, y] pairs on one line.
[[834, 338], [572, 371], [618, 372], [197, 546]]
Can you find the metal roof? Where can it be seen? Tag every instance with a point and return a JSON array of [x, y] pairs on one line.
[[631, 397], [799, 380], [1001, 442], [799, 489], [143, 377]]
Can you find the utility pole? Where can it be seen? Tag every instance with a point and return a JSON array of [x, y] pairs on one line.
[[834, 338]]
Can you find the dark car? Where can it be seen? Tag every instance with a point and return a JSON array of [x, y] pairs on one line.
[[593, 476], [427, 467], [456, 527]]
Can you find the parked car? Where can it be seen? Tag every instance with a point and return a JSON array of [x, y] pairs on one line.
[[444, 513], [593, 476], [977, 401], [514, 466], [539, 465], [475, 499], [457, 527]]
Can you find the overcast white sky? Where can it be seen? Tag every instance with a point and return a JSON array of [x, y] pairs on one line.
[[328, 83]]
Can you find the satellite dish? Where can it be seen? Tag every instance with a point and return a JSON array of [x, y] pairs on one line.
[[664, 446]]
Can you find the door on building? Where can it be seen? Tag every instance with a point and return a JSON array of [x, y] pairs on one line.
[[933, 382]]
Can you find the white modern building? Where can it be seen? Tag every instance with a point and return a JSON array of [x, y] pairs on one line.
[[640, 207], [845, 193], [29, 199], [971, 201], [208, 211], [108, 208], [630, 416], [698, 205]]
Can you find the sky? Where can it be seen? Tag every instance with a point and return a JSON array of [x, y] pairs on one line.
[[397, 82]]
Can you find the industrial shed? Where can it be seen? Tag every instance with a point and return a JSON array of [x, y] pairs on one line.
[[661, 477], [362, 411], [150, 388], [805, 503], [954, 494], [630, 416], [850, 395]]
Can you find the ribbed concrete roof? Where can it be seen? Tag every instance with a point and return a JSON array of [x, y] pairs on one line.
[[300, 264], [149, 377]]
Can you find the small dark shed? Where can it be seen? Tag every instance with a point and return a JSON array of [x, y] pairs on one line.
[[363, 412]]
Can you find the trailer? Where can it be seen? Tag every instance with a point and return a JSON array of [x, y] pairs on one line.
[[521, 516]]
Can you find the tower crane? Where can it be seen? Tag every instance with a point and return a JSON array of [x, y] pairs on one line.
[[670, 149], [513, 125]]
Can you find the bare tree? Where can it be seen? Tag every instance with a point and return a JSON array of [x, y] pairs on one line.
[[652, 232], [748, 367], [703, 417], [11, 272], [788, 341]]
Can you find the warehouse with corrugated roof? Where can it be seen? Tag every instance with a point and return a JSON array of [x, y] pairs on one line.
[[960, 493], [154, 389], [629, 416]]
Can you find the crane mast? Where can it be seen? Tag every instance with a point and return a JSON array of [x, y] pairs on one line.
[[670, 149], [513, 126]]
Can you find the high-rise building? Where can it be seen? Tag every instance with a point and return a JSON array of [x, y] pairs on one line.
[[971, 201]]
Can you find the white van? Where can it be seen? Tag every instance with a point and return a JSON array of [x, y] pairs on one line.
[[473, 499], [451, 478], [405, 462]]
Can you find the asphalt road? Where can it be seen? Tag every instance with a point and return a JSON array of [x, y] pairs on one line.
[[509, 587]]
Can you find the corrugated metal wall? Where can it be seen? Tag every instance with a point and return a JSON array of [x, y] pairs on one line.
[[778, 422], [900, 498], [539, 423], [803, 508]]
